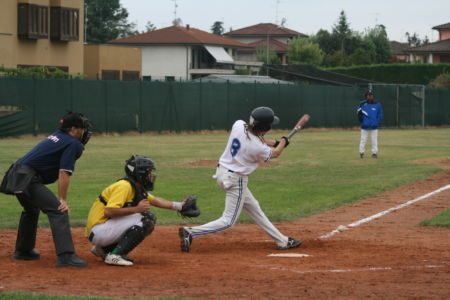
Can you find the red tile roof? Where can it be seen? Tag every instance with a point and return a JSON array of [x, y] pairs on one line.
[[443, 26], [178, 35], [436, 47], [273, 45], [264, 29]]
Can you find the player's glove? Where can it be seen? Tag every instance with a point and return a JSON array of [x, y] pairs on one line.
[[189, 208], [286, 140]]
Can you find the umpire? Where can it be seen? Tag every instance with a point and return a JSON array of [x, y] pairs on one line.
[[50, 160]]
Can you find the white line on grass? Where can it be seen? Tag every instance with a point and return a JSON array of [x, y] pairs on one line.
[[385, 212]]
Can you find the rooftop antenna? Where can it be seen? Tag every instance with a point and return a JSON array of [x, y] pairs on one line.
[[276, 12], [175, 6]]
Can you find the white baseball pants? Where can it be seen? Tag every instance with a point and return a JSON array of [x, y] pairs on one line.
[[238, 197], [110, 232], [374, 140]]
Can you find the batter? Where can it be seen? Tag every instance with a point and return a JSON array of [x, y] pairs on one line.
[[245, 150]]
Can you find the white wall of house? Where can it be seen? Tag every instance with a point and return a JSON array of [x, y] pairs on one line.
[[161, 61]]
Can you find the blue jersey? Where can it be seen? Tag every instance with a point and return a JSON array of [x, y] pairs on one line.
[[369, 114], [58, 151]]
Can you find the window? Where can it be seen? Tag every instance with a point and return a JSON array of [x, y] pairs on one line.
[[130, 75], [110, 74], [147, 78], [32, 21], [64, 24], [170, 78]]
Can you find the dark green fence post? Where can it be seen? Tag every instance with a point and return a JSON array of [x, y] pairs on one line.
[[228, 103], [141, 112], [35, 125], [106, 106]]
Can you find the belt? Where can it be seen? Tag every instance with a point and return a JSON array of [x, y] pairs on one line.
[[91, 236], [231, 171]]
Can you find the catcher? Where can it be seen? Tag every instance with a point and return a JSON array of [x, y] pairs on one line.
[[120, 219]]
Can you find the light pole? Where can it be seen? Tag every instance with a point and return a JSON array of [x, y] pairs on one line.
[[267, 47]]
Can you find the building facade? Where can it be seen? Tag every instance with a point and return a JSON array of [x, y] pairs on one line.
[[182, 53], [263, 37], [433, 53], [111, 62], [42, 33]]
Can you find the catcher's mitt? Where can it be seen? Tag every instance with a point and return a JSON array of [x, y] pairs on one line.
[[189, 208]]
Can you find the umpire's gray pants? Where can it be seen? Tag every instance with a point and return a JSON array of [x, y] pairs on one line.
[[39, 197]]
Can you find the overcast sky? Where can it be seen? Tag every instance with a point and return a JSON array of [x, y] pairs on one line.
[[305, 16]]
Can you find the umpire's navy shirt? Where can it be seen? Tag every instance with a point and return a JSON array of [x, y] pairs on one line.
[[58, 151]]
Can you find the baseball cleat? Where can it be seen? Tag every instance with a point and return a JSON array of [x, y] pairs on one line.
[[374, 155], [117, 260], [98, 251], [186, 239], [291, 243], [26, 255], [361, 155]]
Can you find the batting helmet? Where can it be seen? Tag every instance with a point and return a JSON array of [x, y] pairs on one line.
[[138, 167], [262, 118]]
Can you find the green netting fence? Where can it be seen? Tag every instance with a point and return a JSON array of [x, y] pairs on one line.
[[33, 106]]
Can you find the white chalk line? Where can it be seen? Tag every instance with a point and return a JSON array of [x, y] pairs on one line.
[[289, 255], [385, 212], [370, 269]]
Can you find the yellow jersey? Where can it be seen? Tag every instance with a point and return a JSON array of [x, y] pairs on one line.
[[116, 195]]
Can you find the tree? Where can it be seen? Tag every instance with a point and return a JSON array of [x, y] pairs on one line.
[[441, 81], [341, 30], [304, 51], [380, 39], [415, 41], [217, 28], [360, 57], [270, 58], [106, 20], [150, 27]]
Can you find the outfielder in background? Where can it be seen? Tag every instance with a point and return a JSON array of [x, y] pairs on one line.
[[245, 150], [370, 114], [120, 219], [50, 160]]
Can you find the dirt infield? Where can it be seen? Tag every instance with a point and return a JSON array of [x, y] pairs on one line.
[[386, 258]]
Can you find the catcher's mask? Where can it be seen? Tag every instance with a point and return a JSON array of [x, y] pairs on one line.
[[262, 118], [77, 120], [139, 168]]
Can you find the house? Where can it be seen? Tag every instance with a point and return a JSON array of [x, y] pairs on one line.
[[183, 53], [433, 53], [263, 36], [42, 33], [111, 62], [399, 54]]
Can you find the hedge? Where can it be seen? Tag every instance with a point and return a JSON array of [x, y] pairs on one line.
[[395, 73]]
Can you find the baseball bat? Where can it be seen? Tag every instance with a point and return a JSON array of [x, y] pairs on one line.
[[302, 122]]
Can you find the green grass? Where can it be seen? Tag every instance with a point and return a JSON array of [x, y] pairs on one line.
[[442, 220], [318, 171], [34, 296]]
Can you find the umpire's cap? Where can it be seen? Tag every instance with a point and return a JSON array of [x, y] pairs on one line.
[[74, 119]]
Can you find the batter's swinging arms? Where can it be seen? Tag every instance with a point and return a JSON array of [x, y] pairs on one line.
[[245, 150]]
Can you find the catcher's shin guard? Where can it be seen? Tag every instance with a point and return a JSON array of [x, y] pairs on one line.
[[130, 239], [148, 222]]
